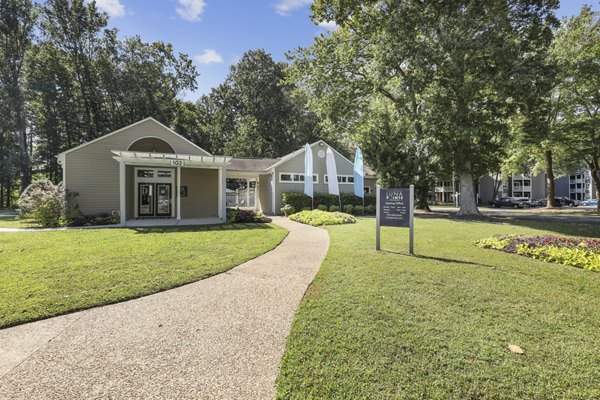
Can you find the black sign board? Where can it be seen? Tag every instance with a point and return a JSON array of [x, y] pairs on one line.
[[394, 207]]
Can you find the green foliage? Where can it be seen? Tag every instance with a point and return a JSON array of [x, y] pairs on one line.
[[493, 242], [239, 216], [348, 208], [334, 208], [358, 210], [370, 209], [322, 207], [306, 209], [299, 200], [318, 218], [95, 220], [288, 210], [580, 257], [45, 202]]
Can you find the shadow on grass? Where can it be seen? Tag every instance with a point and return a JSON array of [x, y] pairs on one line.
[[573, 228], [202, 228], [439, 259]]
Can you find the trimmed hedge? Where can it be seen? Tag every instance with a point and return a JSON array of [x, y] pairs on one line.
[[300, 201], [318, 218]]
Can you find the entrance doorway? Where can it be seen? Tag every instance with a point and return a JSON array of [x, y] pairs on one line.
[[154, 192]]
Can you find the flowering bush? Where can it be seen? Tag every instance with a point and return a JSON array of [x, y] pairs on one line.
[[318, 217], [577, 252], [45, 202], [245, 216]]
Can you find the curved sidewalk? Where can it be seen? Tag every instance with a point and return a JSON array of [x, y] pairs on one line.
[[222, 337]]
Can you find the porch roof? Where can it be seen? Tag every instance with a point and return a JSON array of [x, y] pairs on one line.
[[169, 159]]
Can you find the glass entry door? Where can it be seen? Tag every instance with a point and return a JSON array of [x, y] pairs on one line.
[[163, 199], [146, 199]]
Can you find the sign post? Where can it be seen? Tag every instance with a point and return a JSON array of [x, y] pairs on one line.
[[395, 207]]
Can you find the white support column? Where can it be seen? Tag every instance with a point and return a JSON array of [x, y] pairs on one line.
[[222, 197], [178, 193], [273, 188], [122, 202]]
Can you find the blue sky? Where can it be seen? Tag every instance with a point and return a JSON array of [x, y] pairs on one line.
[[215, 33]]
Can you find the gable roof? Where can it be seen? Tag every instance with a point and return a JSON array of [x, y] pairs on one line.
[[61, 155], [251, 164], [301, 150]]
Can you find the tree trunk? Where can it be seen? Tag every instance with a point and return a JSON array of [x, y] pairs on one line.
[[549, 179], [497, 184], [595, 170], [468, 205], [24, 162]]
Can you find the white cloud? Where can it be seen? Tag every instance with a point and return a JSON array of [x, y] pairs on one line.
[[209, 56], [114, 8], [190, 10], [328, 25], [285, 7]]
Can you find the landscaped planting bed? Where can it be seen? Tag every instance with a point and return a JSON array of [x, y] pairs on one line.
[[578, 252], [319, 217]]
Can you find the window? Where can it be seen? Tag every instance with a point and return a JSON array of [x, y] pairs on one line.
[[342, 179], [164, 174], [526, 183], [289, 177], [517, 184], [145, 173], [367, 190]]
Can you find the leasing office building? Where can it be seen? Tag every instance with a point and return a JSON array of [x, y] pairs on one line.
[[147, 170]]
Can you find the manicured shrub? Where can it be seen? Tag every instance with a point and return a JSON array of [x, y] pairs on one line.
[[358, 210], [577, 252], [95, 220], [348, 208], [238, 216], [322, 207], [334, 208], [370, 209], [306, 209], [298, 200], [318, 218], [45, 202], [288, 210]]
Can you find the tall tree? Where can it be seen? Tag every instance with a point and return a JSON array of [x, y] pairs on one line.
[[577, 51], [17, 19], [453, 67], [255, 112]]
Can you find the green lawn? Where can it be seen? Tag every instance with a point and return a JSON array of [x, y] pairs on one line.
[[437, 325], [11, 221], [43, 274]]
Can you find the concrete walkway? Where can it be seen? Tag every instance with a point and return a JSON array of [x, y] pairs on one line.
[[222, 337]]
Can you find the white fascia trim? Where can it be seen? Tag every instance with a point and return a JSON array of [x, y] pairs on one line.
[[300, 151], [127, 127]]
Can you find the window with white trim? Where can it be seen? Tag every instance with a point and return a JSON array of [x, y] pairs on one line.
[[291, 177], [366, 189], [349, 179]]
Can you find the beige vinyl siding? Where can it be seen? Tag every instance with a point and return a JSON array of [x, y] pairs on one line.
[[91, 171], [265, 194], [296, 165], [202, 193], [371, 183]]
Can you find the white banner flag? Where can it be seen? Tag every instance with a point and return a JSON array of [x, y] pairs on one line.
[[332, 182]]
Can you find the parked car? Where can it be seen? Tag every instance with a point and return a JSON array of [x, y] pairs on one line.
[[560, 202], [569, 202], [592, 202], [507, 202], [528, 203]]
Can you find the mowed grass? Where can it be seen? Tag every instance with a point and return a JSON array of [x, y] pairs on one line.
[[47, 273], [11, 221], [437, 325]]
